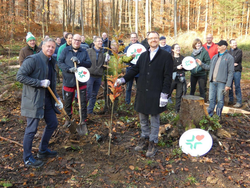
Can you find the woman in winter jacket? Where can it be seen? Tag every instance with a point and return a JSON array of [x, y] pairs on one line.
[[179, 81], [198, 74]]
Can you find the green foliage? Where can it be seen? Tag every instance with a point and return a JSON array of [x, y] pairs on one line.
[[235, 115], [177, 152], [167, 117], [161, 143], [99, 104], [128, 108], [88, 40], [127, 119], [191, 180], [210, 123], [17, 85], [5, 184]]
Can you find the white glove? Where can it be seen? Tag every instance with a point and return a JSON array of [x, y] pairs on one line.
[[45, 83], [107, 58], [163, 99], [73, 69], [60, 105], [119, 81]]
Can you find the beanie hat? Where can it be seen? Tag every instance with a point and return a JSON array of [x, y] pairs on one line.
[[30, 37]]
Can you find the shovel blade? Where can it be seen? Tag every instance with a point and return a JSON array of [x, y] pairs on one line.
[[82, 129]]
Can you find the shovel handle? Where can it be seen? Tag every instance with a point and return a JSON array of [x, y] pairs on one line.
[[53, 95], [78, 90]]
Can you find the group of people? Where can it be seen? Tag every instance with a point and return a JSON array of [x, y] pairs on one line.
[[157, 73]]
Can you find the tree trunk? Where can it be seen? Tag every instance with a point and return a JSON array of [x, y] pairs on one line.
[[48, 19], [29, 15], [63, 24], [82, 18], [136, 16], [43, 12], [98, 18], [206, 18], [198, 16], [192, 110], [146, 18], [73, 19], [247, 22], [188, 15], [175, 20]]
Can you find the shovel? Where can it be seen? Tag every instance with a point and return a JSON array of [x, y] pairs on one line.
[[72, 126], [81, 127]]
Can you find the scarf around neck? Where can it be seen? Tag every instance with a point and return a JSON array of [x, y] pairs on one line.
[[196, 52]]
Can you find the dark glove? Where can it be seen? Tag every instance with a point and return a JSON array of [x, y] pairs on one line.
[[75, 59]]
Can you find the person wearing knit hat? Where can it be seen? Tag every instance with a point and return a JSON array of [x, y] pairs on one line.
[[30, 49]]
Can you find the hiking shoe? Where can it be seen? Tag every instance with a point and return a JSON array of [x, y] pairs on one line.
[[237, 105], [152, 149], [47, 153], [142, 145], [66, 124], [31, 162]]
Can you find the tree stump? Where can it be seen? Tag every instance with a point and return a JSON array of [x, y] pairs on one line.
[[192, 110]]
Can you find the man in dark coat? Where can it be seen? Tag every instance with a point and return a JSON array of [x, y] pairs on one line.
[[153, 86], [30, 49], [37, 73], [237, 55], [69, 81]]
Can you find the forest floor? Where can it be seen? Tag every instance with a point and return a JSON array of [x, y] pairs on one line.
[[85, 162]]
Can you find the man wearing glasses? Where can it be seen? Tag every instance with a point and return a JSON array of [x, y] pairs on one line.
[[153, 86], [69, 80]]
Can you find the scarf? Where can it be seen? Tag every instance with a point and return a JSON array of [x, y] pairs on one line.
[[196, 52]]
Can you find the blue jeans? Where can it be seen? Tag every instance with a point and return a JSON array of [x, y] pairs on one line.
[[31, 129], [93, 86], [129, 90], [236, 81], [150, 131], [215, 92]]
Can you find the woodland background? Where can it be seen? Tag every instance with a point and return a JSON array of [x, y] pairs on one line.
[[223, 18]]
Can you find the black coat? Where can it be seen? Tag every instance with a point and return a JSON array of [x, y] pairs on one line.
[[155, 77], [237, 55]]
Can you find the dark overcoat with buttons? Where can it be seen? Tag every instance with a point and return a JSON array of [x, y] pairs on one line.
[[155, 77]]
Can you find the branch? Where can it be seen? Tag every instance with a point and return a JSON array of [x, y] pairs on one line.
[[17, 143]]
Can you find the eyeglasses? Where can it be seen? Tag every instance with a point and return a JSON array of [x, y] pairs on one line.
[[153, 38], [77, 40]]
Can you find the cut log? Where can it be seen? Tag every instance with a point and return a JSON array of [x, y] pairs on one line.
[[192, 111], [229, 110]]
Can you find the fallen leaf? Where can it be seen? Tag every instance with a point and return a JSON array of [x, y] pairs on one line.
[[131, 167]]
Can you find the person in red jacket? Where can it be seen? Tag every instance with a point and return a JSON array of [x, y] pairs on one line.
[[212, 50], [211, 47]]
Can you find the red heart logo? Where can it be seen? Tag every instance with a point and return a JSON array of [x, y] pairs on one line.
[[84, 72], [191, 62], [139, 50], [199, 137]]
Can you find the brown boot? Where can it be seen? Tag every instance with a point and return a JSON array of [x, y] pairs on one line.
[[142, 145], [152, 149]]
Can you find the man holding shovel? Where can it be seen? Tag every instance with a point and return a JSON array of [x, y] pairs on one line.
[[37, 73], [70, 56]]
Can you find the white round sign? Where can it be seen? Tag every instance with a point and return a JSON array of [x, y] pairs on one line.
[[136, 49], [196, 142], [189, 63], [82, 74]]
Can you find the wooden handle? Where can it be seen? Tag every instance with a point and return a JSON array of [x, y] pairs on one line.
[[53, 95], [78, 91]]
